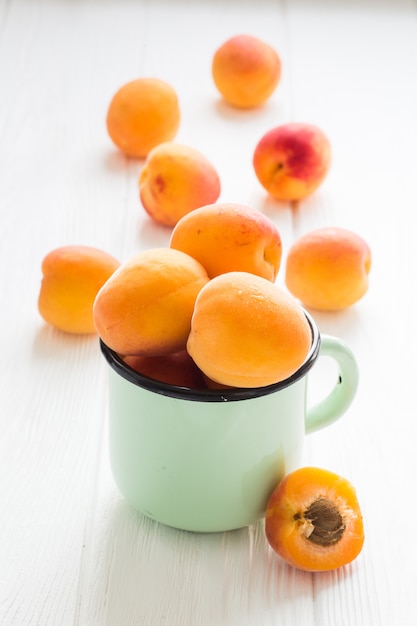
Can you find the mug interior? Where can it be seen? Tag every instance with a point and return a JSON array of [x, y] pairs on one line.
[[212, 395]]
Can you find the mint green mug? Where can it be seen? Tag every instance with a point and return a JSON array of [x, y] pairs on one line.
[[207, 460]]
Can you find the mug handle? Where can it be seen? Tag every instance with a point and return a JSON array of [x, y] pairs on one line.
[[340, 397]]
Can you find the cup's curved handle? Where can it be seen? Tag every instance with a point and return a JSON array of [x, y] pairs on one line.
[[340, 397]]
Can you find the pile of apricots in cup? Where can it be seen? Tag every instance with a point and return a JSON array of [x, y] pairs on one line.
[[206, 311]]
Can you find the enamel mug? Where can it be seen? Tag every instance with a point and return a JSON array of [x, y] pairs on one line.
[[208, 460]]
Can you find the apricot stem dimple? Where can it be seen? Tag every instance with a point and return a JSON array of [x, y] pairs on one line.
[[278, 168], [322, 522]]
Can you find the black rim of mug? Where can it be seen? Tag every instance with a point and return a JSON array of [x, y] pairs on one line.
[[212, 395]]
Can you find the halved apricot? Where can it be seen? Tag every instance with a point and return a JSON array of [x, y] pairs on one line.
[[313, 520]]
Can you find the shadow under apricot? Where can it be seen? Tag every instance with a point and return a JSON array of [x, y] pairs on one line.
[[51, 343]]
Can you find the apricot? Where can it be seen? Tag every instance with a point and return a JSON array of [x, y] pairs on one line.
[[292, 160], [246, 71], [313, 520], [141, 114], [247, 332], [174, 369], [328, 268], [226, 237], [175, 180], [145, 307], [72, 276]]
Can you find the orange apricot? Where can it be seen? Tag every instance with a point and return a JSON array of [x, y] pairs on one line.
[[247, 332], [230, 237], [174, 369], [175, 180], [145, 307], [292, 160], [141, 114], [313, 520], [72, 277], [246, 71], [328, 268]]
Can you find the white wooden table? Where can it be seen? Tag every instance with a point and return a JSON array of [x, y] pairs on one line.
[[71, 551]]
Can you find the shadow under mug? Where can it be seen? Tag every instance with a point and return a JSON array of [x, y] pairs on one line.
[[208, 460]]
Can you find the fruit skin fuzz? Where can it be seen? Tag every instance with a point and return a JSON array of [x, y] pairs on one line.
[[71, 278], [328, 268], [229, 237], [292, 160], [175, 180], [313, 520], [142, 114], [246, 71], [277, 334]]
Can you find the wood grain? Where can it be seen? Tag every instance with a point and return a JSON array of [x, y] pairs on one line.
[[72, 552]]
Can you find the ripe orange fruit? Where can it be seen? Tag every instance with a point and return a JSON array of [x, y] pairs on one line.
[[142, 114], [313, 520], [72, 277], [246, 71], [247, 332]]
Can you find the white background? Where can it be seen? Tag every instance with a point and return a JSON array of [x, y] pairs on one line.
[[71, 551]]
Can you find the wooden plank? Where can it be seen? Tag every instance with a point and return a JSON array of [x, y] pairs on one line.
[[71, 551]]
